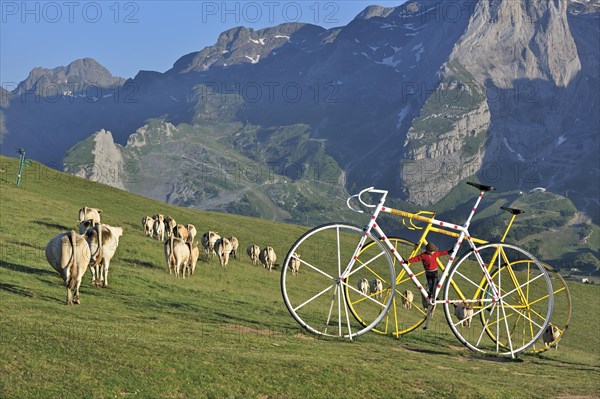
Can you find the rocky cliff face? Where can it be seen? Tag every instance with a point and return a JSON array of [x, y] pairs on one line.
[[507, 41], [522, 58], [445, 144], [106, 166]]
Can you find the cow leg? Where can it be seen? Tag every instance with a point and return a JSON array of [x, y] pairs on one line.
[[94, 275], [99, 275], [69, 296], [105, 277], [76, 299]]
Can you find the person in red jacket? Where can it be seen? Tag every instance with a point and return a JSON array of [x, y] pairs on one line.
[[429, 259]]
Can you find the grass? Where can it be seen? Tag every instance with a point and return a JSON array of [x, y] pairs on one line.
[[224, 333]]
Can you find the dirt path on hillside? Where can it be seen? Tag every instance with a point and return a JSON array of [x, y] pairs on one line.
[[578, 218]]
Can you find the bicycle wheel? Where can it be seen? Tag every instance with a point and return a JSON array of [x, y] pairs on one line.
[[561, 313], [407, 311], [316, 295], [514, 307]]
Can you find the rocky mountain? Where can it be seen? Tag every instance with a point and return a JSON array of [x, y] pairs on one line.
[[71, 80], [413, 98], [245, 46], [535, 57], [577, 7]]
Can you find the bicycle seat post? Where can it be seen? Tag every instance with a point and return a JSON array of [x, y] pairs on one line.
[[482, 190]]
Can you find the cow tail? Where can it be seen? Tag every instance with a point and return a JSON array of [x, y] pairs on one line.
[[73, 269], [100, 248], [172, 252]]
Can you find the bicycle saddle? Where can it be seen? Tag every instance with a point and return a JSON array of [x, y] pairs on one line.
[[514, 211], [481, 186]]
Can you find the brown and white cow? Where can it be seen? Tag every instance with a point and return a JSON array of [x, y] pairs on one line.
[[181, 232], [407, 299], [159, 229], [93, 214], [253, 251], [177, 254], [208, 241], [69, 255], [191, 232], [376, 287], [103, 241], [363, 286], [267, 257], [194, 255], [551, 335], [235, 243], [170, 225], [294, 263], [464, 314], [223, 249], [147, 225], [85, 225]]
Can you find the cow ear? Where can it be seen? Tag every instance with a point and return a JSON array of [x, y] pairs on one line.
[[99, 210]]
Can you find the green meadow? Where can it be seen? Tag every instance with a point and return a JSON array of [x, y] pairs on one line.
[[224, 332]]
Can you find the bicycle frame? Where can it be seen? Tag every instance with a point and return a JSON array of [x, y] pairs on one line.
[[431, 228], [463, 233]]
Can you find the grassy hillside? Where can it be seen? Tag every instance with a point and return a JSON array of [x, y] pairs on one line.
[[552, 228], [224, 333]]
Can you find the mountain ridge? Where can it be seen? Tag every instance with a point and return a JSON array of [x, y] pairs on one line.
[[414, 83], [72, 79]]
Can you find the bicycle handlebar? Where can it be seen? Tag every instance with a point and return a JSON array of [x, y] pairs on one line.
[[359, 197], [481, 187]]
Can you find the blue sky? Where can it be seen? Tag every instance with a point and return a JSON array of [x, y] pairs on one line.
[[128, 36]]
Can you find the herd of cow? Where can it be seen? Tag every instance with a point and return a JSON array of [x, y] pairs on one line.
[[70, 253], [182, 252]]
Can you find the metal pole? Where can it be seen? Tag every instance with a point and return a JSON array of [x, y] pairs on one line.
[[21, 153]]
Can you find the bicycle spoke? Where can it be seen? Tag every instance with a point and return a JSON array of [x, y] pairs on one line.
[[319, 293], [520, 311], [314, 297]]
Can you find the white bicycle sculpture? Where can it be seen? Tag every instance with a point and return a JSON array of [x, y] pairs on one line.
[[346, 285]]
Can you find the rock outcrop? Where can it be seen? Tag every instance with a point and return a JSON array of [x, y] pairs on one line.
[[107, 165]]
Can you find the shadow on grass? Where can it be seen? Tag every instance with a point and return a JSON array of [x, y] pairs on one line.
[[15, 289], [497, 359], [53, 225], [427, 351], [136, 262], [572, 365], [465, 353], [28, 245], [26, 269]]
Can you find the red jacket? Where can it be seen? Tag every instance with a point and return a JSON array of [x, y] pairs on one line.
[[429, 260]]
